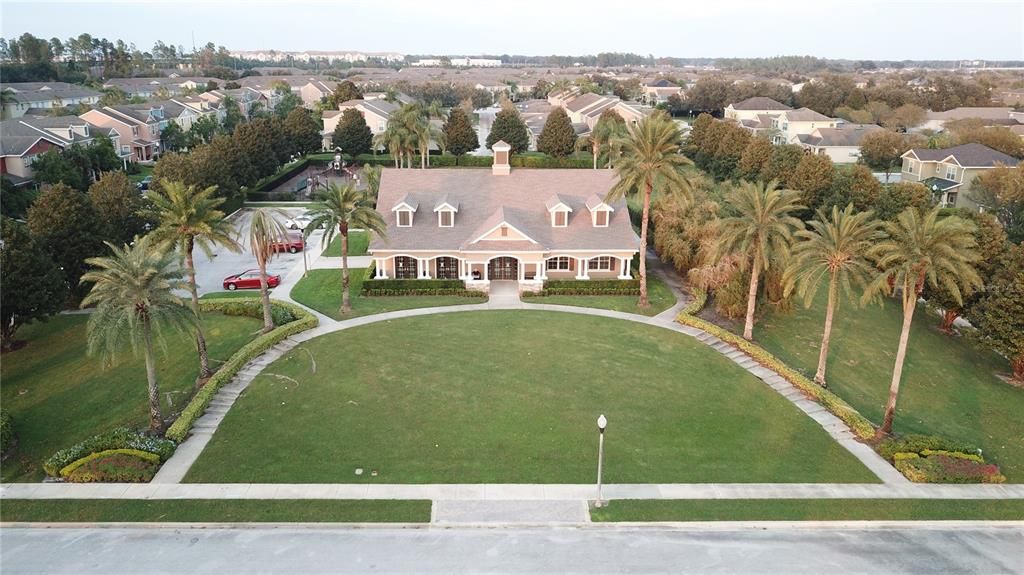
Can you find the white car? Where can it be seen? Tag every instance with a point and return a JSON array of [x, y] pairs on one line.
[[298, 222]]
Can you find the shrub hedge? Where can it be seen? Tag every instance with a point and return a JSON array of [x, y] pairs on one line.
[[280, 312], [284, 174], [527, 160], [859, 424], [700, 299], [301, 321], [71, 467], [114, 467], [6, 431], [942, 468], [922, 444], [372, 287], [118, 438]]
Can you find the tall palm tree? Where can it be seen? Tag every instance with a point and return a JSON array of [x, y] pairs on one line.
[[606, 130], [340, 209], [921, 248], [188, 217], [371, 177], [836, 247], [265, 231], [393, 139], [762, 232], [133, 291], [650, 156]]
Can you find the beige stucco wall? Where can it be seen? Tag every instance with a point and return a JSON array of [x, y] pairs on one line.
[[528, 262]]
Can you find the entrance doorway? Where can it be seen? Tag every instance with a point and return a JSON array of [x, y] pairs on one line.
[[503, 268]]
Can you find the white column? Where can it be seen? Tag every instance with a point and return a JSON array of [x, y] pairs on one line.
[[623, 268], [582, 273], [425, 268], [381, 272], [487, 269], [542, 270], [522, 270]]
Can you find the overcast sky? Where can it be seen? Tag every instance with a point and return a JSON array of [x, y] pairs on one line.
[[854, 29]]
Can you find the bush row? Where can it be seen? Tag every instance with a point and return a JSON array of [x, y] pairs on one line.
[[280, 312], [439, 291], [302, 321], [114, 467], [411, 285], [592, 284], [532, 160], [286, 172], [118, 438], [860, 425], [922, 444], [270, 196], [700, 299], [583, 291], [946, 469], [74, 465]]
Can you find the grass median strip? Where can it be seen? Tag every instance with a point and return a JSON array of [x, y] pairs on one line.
[[809, 510], [219, 510]]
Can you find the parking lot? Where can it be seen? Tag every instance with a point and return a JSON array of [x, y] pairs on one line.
[[211, 271]]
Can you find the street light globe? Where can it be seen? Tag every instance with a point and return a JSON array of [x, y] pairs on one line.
[[602, 422]]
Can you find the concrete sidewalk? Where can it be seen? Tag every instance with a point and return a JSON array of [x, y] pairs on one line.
[[507, 492]]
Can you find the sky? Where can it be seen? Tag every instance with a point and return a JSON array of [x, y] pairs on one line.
[[850, 29]]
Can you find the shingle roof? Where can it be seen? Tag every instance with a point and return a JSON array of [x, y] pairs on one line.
[[520, 198], [583, 101], [760, 103], [28, 92], [805, 115], [969, 112], [845, 135], [967, 155]]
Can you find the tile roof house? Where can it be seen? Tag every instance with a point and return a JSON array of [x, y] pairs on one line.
[[480, 226], [658, 91], [948, 172], [376, 112], [790, 124], [841, 143], [751, 108], [45, 96], [25, 138]]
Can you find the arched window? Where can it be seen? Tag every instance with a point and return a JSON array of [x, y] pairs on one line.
[[447, 268], [405, 268]]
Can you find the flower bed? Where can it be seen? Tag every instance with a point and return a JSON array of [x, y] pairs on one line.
[[301, 321], [115, 439], [859, 424], [700, 299], [947, 468], [116, 466]]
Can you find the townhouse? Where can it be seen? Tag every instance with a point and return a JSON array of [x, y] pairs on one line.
[[949, 172], [35, 98], [840, 143], [138, 126], [376, 112], [788, 125], [23, 139], [660, 90]]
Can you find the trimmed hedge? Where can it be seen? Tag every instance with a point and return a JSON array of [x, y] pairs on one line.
[[527, 160], [252, 307], [700, 299], [859, 424], [943, 468], [71, 467], [115, 468], [118, 438], [372, 287], [922, 444], [282, 175], [6, 431], [302, 320]]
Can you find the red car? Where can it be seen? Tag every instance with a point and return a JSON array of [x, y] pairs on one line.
[[249, 279], [294, 245]]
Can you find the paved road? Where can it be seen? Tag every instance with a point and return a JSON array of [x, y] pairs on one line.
[[210, 272], [791, 550], [484, 130]]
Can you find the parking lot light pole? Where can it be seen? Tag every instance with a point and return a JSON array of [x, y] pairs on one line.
[[602, 423]]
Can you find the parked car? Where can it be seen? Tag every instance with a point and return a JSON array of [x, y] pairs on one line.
[[249, 279], [144, 184], [294, 245], [299, 222]]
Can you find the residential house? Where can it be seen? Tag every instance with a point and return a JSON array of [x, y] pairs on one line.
[[751, 108], [246, 98], [375, 112], [658, 91], [26, 96], [950, 171], [790, 124], [502, 225], [936, 121], [23, 139], [311, 89], [138, 126], [200, 106], [841, 143], [166, 86]]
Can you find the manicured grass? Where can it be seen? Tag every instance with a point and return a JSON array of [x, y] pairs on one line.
[[358, 241], [513, 396], [321, 290], [658, 294], [59, 396], [949, 388], [216, 510], [809, 510], [143, 172], [238, 294]]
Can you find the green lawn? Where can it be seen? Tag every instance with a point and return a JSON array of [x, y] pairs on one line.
[[143, 172], [949, 388], [216, 510], [322, 292], [358, 242], [238, 294], [659, 295], [59, 396], [809, 510], [513, 396]]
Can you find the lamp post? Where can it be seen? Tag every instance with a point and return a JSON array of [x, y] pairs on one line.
[[602, 423]]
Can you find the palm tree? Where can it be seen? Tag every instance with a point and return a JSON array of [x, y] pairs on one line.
[[342, 208], [265, 231], [650, 155], [187, 218], [371, 176], [762, 233], [133, 291], [609, 128], [920, 248], [836, 247], [392, 139]]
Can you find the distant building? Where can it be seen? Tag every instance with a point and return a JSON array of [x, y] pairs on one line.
[[23, 139], [949, 172], [936, 121], [27, 96], [751, 108], [658, 91], [841, 143]]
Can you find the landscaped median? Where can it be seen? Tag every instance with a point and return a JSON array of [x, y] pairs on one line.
[[809, 510], [215, 510], [289, 318]]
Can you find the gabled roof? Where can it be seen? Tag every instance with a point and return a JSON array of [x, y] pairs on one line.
[[845, 135], [407, 202], [759, 103], [585, 101], [660, 83], [503, 216], [16, 138], [805, 115], [445, 203], [556, 202], [595, 202], [967, 155]]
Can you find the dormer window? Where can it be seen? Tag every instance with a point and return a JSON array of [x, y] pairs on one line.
[[404, 209], [601, 219], [600, 212], [404, 218], [561, 219], [559, 211], [446, 218]]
